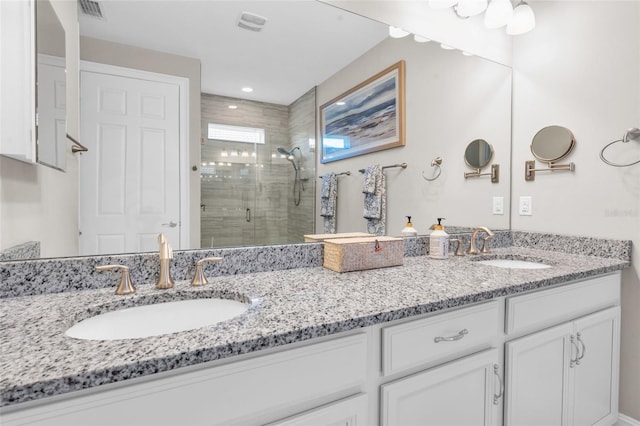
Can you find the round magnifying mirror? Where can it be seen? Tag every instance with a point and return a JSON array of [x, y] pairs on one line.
[[478, 153], [552, 143]]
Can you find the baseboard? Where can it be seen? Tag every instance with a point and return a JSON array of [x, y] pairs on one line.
[[627, 421]]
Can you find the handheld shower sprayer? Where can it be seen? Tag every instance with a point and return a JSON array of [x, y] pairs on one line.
[[297, 183]]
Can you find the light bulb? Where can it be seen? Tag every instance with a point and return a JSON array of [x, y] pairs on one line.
[[442, 4], [523, 19], [466, 8], [498, 14], [396, 32]]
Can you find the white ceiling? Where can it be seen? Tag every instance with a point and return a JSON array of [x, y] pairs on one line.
[[302, 44]]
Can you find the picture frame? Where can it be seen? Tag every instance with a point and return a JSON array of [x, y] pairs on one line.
[[369, 117]]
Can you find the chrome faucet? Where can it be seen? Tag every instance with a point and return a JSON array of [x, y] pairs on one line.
[[166, 254], [472, 245]]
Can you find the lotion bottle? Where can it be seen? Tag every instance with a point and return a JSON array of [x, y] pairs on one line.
[[409, 230], [439, 242]]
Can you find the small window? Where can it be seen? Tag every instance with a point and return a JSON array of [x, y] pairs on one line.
[[226, 132]]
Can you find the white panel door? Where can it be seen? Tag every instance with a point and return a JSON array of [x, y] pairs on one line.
[[52, 107], [595, 398], [463, 392], [130, 177], [537, 376]]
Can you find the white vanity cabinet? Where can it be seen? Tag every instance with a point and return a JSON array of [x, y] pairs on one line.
[[566, 374], [467, 391], [463, 392]]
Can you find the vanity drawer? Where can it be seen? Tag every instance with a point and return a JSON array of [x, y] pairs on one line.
[[439, 338], [548, 307]]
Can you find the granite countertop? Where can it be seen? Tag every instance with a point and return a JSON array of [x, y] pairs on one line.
[[38, 360]]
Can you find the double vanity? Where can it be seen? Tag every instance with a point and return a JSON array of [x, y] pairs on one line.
[[532, 339]]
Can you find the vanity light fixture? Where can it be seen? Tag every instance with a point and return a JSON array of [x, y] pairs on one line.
[[396, 32], [467, 8], [498, 14], [523, 19]]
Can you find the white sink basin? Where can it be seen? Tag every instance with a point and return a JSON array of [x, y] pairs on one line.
[[514, 264], [158, 319]]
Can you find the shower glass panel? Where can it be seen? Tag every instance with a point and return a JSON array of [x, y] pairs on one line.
[[247, 189]]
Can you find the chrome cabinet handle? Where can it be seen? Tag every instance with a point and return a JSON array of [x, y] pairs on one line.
[[496, 371], [584, 349], [574, 362], [171, 224], [458, 336]]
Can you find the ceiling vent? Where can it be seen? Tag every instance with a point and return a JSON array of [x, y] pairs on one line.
[[251, 21], [91, 8]]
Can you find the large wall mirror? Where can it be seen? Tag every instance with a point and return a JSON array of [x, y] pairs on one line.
[[282, 221]]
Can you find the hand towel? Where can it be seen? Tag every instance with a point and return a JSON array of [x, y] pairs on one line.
[[328, 201], [375, 199]]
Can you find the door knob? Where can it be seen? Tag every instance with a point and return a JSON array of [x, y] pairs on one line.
[[171, 224]]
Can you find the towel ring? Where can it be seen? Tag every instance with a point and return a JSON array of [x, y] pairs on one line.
[[436, 162], [629, 135]]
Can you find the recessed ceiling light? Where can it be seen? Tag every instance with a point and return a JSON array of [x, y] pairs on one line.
[[233, 107], [247, 89]]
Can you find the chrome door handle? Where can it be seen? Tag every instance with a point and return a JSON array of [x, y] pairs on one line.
[[247, 215], [584, 349], [496, 371], [171, 224], [458, 336], [574, 362]]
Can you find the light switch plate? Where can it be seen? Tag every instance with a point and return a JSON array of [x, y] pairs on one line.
[[526, 208], [498, 205]]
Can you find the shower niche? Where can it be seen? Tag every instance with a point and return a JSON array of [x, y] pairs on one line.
[[257, 164]]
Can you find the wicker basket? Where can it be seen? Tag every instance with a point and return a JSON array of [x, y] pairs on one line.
[[321, 237], [357, 254]]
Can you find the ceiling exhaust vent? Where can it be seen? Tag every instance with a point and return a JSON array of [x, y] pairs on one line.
[[251, 21], [91, 8]]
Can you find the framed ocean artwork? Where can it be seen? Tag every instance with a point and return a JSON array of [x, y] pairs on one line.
[[367, 118]]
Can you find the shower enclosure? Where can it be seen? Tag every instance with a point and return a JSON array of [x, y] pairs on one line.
[[250, 193]]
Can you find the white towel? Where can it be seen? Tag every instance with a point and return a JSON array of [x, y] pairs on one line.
[[328, 201]]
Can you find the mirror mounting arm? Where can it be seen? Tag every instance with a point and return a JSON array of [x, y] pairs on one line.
[[530, 169], [495, 173]]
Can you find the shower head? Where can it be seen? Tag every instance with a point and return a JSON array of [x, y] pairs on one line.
[[282, 150]]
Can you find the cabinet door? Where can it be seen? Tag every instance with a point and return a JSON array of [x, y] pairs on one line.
[[346, 412], [595, 397], [458, 393], [537, 374]]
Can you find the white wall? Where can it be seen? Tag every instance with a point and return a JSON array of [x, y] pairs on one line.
[[451, 100], [33, 197], [580, 68]]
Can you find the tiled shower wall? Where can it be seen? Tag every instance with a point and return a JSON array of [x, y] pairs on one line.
[[247, 198]]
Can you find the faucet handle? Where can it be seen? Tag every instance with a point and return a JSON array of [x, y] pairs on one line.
[[199, 279], [125, 286], [459, 246], [485, 245]]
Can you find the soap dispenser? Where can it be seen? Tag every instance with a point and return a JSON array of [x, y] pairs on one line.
[[409, 230], [439, 242]]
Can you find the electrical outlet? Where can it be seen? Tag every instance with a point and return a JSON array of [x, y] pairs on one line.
[[498, 205], [526, 208]]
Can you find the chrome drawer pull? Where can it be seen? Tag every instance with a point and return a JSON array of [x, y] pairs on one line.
[[496, 371], [458, 336]]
